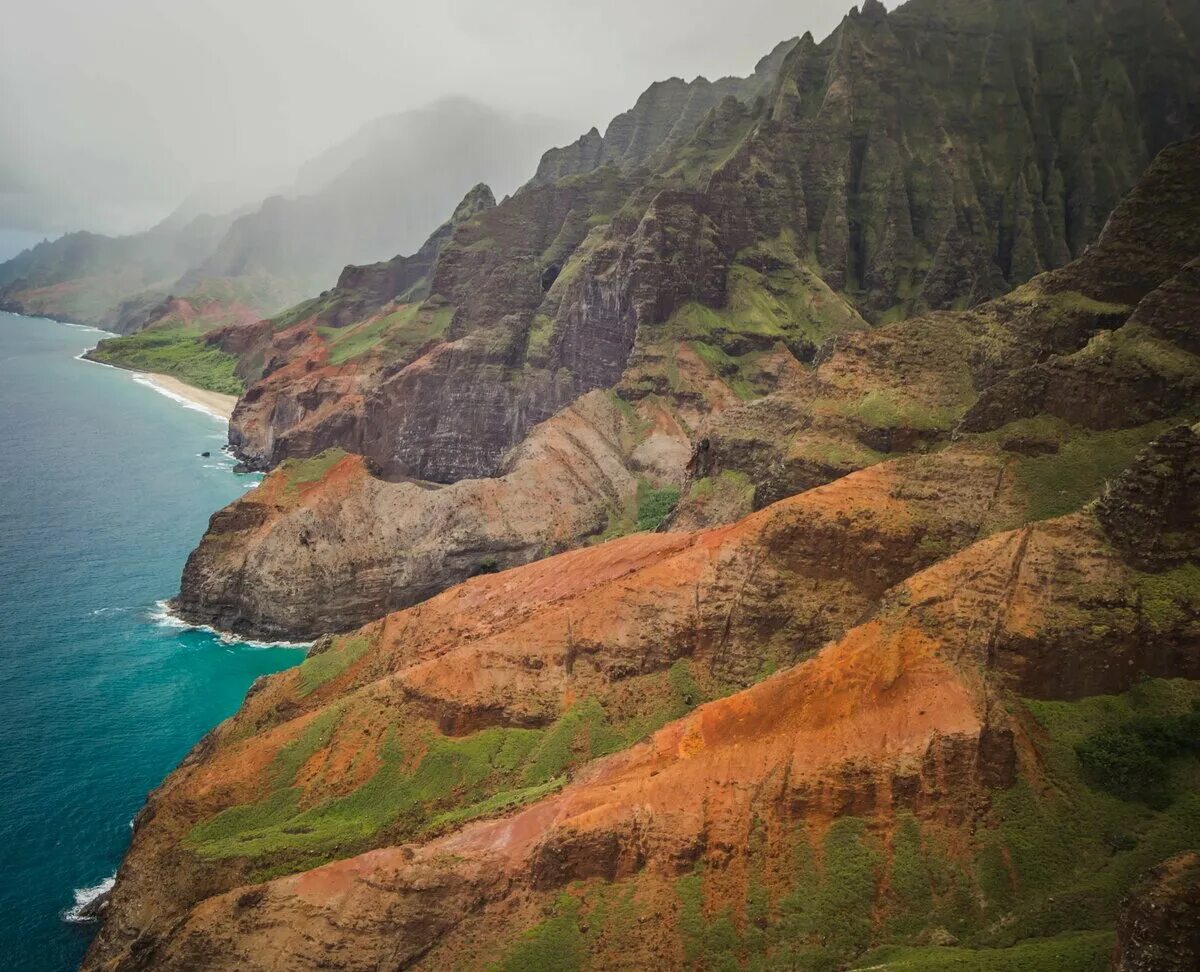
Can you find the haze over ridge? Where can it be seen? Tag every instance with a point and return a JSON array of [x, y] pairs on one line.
[[113, 114]]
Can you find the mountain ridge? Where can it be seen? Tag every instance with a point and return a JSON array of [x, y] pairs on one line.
[[779, 548]]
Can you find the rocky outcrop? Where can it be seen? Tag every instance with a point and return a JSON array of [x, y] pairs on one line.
[[666, 114], [1087, 343], [1129, 355], [1159, 930], [867, 395], [602, 623], [904, 713], [298, 557], [862, 171], [361, 291], [1152, 512]]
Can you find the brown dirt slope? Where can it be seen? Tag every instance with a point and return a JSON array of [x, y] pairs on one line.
[[910, 713]]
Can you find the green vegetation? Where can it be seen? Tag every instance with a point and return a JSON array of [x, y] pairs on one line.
[[304, 310], [824, 920], [302, 472], [540, 335], [396, 335], [449, 771], [587, 927], [731, 370], [786, 304], [653, 505], [1076, 952], [1075, 842], [499, 803], [1131, 760], [638, 428], [1071, 842], [300, 750], [175, 352], [1067, 301], [426, 781], [827, 916], [1064, 481], [346, 343], [554, 945], [318, 669], [848, 455], [711, 147], [642, 512], [1170, 598], [1143, 350], [886, 408]]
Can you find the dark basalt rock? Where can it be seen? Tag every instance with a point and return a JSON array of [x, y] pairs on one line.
[[1159, 927], [1152, 512]]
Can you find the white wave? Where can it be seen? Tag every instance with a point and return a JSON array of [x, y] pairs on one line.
[[164, 617], [81, 327], [88, 327], [149, 382], [99, 612], [84, 897], [102, 364]]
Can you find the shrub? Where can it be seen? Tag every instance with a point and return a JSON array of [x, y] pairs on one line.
[[1130, 760], [1118, 761], [654, 505]]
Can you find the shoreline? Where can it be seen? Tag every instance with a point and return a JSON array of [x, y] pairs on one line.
[[211, 403], [165, 617], [214, 403]]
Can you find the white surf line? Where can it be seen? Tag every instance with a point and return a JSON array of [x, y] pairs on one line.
[[84, 897], [147, 379], [164, 617]]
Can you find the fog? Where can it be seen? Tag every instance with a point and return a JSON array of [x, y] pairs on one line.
[[112, 113]]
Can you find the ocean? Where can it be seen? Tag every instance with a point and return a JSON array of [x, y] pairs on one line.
[[103, 492]]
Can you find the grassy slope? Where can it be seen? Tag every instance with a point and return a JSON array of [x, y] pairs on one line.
[[425, 781], [179, 352], [1037, 889]]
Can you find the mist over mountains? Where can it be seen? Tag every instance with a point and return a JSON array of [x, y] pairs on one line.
[[375, 194]]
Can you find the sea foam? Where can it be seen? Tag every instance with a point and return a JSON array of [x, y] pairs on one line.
[[149, 382], [164, 617], [84, 897]]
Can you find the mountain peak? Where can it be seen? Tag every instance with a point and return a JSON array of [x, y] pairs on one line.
[[478, 198]]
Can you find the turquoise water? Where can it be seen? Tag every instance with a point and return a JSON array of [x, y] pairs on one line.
[[102, 495]]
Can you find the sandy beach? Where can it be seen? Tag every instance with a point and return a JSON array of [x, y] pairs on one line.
[[213, 402]]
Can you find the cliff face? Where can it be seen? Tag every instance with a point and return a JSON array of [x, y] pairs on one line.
[[1159, 929], [1099, 345], [929, 158], [369, 545], [901, 662], [907, 730], [666, 114], [1105, 339]]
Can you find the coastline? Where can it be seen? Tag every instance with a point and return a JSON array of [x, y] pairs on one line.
[[165, 617], [215, 403]]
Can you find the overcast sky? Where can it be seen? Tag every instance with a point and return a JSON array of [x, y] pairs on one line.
[[120, 108]]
